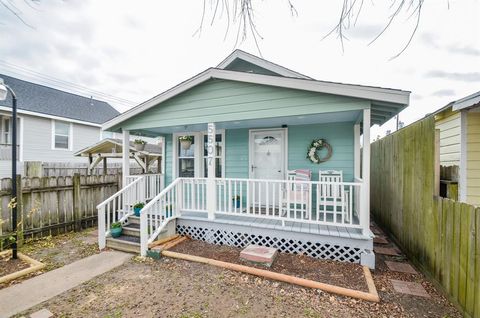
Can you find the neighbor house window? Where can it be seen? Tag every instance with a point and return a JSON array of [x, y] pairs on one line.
[[5, 137], [218, 155], [61, 135]]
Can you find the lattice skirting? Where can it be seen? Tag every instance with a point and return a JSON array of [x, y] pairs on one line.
[[234, 237]]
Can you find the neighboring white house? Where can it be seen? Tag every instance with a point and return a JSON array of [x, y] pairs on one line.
[[52, 124], [459, 125]]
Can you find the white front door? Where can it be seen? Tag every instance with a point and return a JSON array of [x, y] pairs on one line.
[[267, 162], [267, 148]]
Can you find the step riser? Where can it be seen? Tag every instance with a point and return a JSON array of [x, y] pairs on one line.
[[131, 232], [123, 247]]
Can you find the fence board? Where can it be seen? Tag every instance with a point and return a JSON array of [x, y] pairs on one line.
[[439, 234], [48, 203]]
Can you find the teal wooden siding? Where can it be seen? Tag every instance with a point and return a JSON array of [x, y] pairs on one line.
[[236, 153], [222, 100], [168, 158], [338, 135]]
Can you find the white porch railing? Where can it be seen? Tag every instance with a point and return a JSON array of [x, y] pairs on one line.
[[316, 202], [313, 202], [119, 206]]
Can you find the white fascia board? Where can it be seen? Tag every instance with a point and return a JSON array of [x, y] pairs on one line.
[[70, 120], [363, 92], [466, 102], [261, 63]]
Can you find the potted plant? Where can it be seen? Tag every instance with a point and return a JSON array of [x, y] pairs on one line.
[[185, 142], [236, 201], [116, 229], [139, 144], [138, 207]]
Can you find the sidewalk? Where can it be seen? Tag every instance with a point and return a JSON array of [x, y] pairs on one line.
[[34, 291]]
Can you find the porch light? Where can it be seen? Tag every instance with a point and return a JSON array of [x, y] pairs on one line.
[[4, 89]]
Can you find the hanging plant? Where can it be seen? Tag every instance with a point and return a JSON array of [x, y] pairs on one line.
[[186, 142], [315, 146]]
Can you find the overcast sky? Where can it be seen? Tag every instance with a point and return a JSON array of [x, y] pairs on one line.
[[136, 52]]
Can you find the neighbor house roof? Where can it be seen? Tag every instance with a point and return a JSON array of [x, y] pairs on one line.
[[45, 100], [468, 101]]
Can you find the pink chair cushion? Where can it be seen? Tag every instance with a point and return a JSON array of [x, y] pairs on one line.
[[303, 175]]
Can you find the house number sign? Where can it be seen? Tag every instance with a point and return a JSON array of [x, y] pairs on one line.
[[211, 144]]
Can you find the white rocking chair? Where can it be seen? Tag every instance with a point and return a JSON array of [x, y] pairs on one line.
[[297, 196], [332, 199]]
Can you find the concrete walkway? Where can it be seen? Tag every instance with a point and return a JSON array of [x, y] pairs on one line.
[[34, 291]]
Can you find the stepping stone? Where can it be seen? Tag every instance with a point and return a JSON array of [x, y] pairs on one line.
[[401, 267], [380, 240], [43, 313], [391, 251], [409, 288], [259, 254]]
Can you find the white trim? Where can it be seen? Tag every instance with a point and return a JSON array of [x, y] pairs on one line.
[[70, 136], [462, 182], [70, 120], [125, 157], [365, 213], [356, 151], [284, 132], [275, 68], [20, 154], [364, 92]]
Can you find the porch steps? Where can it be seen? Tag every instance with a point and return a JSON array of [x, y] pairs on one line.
[[129, 241]]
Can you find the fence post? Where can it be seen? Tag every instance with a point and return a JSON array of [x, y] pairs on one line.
[[77, 212], [19, 210]]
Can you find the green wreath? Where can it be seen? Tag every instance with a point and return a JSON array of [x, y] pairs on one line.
[[315, 146]]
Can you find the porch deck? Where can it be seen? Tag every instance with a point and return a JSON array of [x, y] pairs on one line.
[[289, 226]]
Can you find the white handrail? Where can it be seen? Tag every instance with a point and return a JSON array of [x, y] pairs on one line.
[[158, 212]]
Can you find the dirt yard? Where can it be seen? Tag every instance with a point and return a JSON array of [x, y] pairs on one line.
[[175, 288], [57, 251]]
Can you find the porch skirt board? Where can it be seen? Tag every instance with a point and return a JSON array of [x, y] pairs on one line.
[[317, 246]]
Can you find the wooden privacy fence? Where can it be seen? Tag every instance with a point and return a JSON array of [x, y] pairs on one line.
[[52, 205], [440, 235]]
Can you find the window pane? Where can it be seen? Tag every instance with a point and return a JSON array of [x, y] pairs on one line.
[[107, 134], [186, 168], [218, 145], [218, 167], [61, 142], [190, 152], [62, 128]]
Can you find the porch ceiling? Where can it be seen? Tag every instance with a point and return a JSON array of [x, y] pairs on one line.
[[348, 116]]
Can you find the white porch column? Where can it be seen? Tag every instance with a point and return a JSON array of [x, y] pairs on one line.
[[125, 156], [211, 187], [365, 216], [356, 150]]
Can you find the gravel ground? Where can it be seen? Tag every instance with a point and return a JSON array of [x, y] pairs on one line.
[[58, 251], [176, 288]]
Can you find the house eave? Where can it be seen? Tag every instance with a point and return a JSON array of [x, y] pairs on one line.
[[395, 99]]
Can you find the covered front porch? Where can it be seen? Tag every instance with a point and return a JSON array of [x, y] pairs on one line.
[[239, 162]]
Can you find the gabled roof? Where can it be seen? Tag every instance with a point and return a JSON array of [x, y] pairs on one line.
[[108, 145], [50, 101], [262, 63], [386, 102], [468, 101]]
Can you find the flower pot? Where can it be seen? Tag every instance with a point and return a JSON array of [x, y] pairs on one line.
[[137, 211], [236, 203], [116, 232], [185, 144], [139, 147]]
